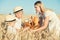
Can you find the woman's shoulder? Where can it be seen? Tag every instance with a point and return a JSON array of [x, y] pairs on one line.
[[49, 12]]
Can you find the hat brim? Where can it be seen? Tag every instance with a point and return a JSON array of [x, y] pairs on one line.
[[18, 11], [11, 20]]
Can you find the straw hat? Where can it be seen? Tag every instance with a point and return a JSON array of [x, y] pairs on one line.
[[18, 8], [10, 18]]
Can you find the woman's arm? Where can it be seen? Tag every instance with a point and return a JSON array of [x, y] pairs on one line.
[[45, 24]]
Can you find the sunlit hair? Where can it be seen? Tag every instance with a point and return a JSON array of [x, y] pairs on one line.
[[37, 2], [40, 4]]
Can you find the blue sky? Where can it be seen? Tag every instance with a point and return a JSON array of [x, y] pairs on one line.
[[7, 6]]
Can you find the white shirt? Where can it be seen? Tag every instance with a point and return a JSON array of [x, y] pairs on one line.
[[18, 23], [11, 30]]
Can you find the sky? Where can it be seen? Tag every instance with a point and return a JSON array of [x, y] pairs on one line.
[[7, 6]]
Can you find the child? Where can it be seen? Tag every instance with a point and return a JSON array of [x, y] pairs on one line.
[[11, 30]]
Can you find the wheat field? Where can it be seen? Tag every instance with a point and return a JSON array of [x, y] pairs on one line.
[[23, 34]]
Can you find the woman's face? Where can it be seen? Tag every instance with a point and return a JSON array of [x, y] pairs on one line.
[[19, 14], [37, 8]]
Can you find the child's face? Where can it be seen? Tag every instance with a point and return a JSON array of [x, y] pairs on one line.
[[19, 14]]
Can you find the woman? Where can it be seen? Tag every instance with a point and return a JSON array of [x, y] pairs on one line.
[[48, 19]]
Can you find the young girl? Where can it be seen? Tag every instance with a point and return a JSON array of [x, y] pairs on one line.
[[11, 30]]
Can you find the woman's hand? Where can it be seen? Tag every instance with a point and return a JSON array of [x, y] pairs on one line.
[[34, 30], [26, 28]]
